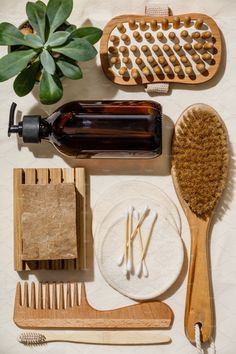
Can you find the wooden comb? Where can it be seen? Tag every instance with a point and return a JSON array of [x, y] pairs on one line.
[[143, 49], [54, 312]]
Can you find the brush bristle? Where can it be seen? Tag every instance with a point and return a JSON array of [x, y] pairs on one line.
[[31, 338], [200, 159]]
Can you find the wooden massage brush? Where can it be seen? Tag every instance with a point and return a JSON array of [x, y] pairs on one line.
[[199, 169], [143, 49]]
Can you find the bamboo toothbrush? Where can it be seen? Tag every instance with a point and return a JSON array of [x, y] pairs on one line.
[[199, 169], [95, 337]]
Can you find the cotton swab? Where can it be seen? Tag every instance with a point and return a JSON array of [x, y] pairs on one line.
[[125, 270], [142, 265], [139, 268], [122, 256], [129, 251], [140, 221]]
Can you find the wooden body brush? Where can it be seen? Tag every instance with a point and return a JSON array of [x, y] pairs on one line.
[[199, 170]]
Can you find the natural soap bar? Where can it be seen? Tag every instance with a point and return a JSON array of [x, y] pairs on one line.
[[48, 221]]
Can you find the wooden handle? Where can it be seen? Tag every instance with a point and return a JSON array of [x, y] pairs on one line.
[[110, 337], [199, 291]]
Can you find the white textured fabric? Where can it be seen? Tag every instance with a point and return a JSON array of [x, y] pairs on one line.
[[153, 8], [212, 348]]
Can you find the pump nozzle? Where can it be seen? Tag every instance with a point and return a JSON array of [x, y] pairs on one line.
[[11, 127]]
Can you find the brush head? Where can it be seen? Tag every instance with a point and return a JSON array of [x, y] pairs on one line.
[[31, 338], [200, 157]]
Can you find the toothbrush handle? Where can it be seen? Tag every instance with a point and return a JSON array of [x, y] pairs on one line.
[[110, 337], [199, 304]]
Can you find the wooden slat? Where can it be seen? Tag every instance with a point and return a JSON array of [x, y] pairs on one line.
[[30, 178], [17, 181], [43, 178], [56, 178], [80, 183], [69, 177]]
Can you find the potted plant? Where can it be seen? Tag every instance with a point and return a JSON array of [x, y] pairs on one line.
[[45, 49]]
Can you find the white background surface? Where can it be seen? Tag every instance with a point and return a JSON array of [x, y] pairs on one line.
[[219, 92]]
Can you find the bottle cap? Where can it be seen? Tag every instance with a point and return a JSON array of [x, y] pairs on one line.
[[29, 128]]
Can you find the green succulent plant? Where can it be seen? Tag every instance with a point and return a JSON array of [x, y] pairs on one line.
[[52, 49]]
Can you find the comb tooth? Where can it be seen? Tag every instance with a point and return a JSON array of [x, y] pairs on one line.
[[54, 295], [160, 36], [121, 28], [187, 21], [33, 299], [125, 38], [137, 35], [155, 48], [195, 57], [26, 294], [146, 71], [176, 22], [167, 69], [68, 295], [123, 70], [184, 59], [206, 56], [115, 60], [148, 36], [161, 60], [132, 24], [206, 35], [198, 46], [114, 39], [195, 35], [199, 23], [40, 296], [157, 69], [134, 73], [187, 46], [143, 25], [177, 69], [173, 59], [113, 50], [153, 24], [144, 48], [47, 296], [150, 59], [184, 34], [188, 70], [76, 296], [164, 23], [133, 48], [139, 61], [166, 48], [201, 67], [123, 49], [61, 297], [172, 35], [208, 45], [126, 60], [18, 299], [177, 47]]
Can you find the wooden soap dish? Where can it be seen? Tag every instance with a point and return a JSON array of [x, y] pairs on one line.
[[44, 176], [59, 313], [143, 49]]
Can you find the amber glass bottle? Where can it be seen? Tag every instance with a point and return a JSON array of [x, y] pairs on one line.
[[85, 129]]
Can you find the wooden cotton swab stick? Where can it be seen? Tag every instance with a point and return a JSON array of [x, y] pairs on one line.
[[139, 268], [129, 251], [143, 263], [141, 220], [126, 231]]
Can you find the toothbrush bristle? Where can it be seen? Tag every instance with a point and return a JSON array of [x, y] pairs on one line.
[[31, 338]]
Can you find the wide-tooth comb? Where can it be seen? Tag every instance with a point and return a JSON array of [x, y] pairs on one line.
[[185, 35], [51, 310]]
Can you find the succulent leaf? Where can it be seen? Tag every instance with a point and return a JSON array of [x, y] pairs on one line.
[[72, 71], [11, 64], [57, 38], [10, 35], [25, 81], [36, 13], [48, 62], [50, 88], [78, 49], [92, 34], [33, 41], [57, 12]]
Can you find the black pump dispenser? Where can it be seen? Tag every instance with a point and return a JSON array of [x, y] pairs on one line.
[[31, 129], [97, 129]]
